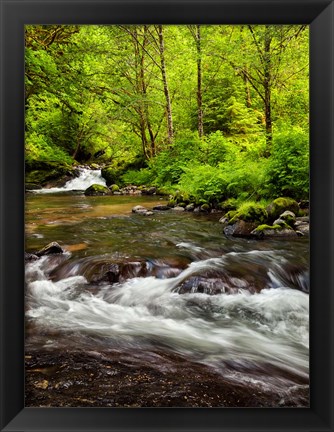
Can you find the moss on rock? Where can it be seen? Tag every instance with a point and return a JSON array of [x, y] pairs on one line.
[[96, 189], [250, 212], [280, 205], [114, 188], [111, 175], [49, 173], [264, 230]]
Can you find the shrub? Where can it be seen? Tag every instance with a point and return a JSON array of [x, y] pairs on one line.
[[288, 169]]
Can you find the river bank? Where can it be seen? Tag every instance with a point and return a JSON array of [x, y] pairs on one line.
[[151, 379], [162, 310]]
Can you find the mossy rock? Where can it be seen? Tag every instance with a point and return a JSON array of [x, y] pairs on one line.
[[250, 213], [280, 205], [240, 228], [41, 165], [53, 172], [265, 231], [96, 189], [289, 217], [282, 223], [180, 197], [32, 186], [111, 175], [228, 205], [94, 166], [229, 215], [205, 208], [114, 188]]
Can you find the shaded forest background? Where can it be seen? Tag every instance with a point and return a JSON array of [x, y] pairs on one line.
[[218, 112]]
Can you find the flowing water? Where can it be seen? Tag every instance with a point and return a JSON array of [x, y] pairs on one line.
[[170, 282]]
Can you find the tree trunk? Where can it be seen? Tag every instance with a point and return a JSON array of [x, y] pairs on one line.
[[247, 89], [267, 89], [170, 131], [199, 82]]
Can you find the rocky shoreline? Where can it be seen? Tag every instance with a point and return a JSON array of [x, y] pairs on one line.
[[130, 379]]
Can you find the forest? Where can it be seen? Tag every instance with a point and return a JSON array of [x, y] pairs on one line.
[[218, 113], [166, 216]]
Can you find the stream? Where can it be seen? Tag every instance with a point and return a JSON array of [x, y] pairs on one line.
[[162, 310]]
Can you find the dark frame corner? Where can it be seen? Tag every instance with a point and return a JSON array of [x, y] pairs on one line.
[[14, 15]]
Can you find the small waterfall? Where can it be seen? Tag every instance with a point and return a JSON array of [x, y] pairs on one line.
[[85, 179]]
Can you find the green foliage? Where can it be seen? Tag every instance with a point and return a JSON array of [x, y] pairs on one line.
[[288, 170], [96, 94], [41, 148], [250, 211], [141, 177]]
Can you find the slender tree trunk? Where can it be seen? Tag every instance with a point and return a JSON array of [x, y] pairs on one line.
[[142, 110], [248, 99], [199, 82], [170, 130], [267, 89]]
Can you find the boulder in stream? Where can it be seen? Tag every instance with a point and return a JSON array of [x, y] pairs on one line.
[[161, 207], [267, 231], [50, 249], [240, 228], [279, 206], [30, 256], [96, 189], [142, 211]]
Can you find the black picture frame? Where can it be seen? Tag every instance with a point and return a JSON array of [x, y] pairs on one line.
[[14, 15]]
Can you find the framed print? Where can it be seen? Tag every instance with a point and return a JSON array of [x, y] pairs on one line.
[[161, 164]]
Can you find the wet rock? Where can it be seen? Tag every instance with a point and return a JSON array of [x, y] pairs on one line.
[[30, 256], [197, 209], [161, 207], [190, 207], [223, 220], [267, 231], [240, 228], [147, 378], [149, 191], [139, 209], [279, 206], [178, 209], [32, 186], [302, 219], [142, 211], [130, 190], [210, 286], [94, 166], [302, 228], [205, 208], [113, 273], [114, 188], [289, 217], [50, 249], [96, 189], [280, 222]]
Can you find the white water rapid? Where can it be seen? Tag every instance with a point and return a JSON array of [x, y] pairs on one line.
[[250, 330], [85, 179]]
